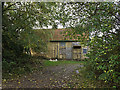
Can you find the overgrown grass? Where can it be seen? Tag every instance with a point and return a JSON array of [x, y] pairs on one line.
[[55, 63]]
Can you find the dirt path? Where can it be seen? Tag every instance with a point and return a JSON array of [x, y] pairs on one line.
[[49, 77]]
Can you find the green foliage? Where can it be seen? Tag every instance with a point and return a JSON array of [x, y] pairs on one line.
[[101, 20], [16, 66], [18, 36], [104, 62]]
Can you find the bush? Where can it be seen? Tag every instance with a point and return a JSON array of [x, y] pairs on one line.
[[104, 65]]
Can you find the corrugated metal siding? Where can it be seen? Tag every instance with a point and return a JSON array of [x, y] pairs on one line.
[[68, 52]]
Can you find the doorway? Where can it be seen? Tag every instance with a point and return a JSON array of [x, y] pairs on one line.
[[77, 52]]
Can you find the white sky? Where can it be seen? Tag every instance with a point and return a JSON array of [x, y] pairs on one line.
[[49, 27]]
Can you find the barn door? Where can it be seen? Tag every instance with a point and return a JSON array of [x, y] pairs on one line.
[[76, 50], [69, 53]]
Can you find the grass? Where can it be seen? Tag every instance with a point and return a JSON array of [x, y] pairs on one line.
[[55, 63]]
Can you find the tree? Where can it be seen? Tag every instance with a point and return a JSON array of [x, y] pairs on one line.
[[101, 19], [18, 20]]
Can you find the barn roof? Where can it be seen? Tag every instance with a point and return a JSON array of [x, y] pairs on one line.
[[62, 35]]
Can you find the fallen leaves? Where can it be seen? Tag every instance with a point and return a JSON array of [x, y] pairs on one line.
[[50, 79], [4, 80], [19, 82], [61, 78]]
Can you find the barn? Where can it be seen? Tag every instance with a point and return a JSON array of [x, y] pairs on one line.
[[62, 47]]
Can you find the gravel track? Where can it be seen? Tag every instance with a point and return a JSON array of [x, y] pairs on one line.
[[50, 77]]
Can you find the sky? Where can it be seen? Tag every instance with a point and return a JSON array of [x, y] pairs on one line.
[[60, 26], [49, 27]]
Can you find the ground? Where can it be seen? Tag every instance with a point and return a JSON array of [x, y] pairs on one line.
[[57, 76]]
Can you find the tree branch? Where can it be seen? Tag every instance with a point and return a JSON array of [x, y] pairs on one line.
[[8, 7]]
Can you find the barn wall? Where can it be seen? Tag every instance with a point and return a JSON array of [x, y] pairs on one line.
[[62, 50], [57, 50], [53, 50], [68, 50]]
